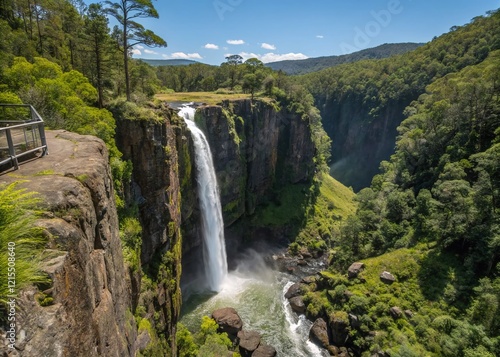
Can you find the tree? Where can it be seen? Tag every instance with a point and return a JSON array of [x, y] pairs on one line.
[[233, 61], [132, 33], [254, 64], [97, 35], [252, 82]]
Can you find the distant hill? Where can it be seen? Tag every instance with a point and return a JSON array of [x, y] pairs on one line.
[[316, 64], [168, 62]]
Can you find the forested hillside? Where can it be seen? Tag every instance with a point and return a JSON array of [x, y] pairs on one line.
[[309, 65], [426, 231], [363, 103]]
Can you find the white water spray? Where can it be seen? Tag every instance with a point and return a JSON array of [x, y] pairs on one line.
[[214, 248]]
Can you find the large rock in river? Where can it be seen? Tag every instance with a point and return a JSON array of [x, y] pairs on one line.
[[264, 351], [249, 341], [297, 305], [228, 320], [319, 333]]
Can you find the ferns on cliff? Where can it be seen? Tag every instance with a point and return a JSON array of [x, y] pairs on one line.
[[20, 240]]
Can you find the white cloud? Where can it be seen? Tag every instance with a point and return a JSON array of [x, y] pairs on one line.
[[211, 46], [247, 55], [267, 46], [150, 52], [236, 42], [139, 47], [182, 55], [135, 51], [320, 36], [272, 57]]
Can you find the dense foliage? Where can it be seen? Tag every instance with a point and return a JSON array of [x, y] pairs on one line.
[[431, 218], [294, 67], [362, 103]]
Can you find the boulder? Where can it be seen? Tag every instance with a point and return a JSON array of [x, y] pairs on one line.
[[319, 333], [228, 320], [297, 305], [396, 312], [293, 291], [264, 351], [387, 277], [249, 341], [354, 270]]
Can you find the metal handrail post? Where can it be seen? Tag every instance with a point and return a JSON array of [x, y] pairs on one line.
[[43, 140], [12, 150], [41, 130]]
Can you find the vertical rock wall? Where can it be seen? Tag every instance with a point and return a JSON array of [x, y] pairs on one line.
[[91, 310], [155, 188]]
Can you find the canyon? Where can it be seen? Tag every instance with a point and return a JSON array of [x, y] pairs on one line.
[[257, 148]]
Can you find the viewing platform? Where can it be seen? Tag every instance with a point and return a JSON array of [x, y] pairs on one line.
[[22, 135]]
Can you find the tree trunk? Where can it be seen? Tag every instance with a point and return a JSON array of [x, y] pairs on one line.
[[99, 73], [125, 60]]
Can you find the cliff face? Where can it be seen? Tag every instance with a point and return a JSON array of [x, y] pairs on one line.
[[90, 287], [256, 150], [360, 142], [155, 188]]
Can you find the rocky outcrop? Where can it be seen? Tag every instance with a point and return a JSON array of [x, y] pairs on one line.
[[293, 291], [90, 314], [264, 351], [249, 343]]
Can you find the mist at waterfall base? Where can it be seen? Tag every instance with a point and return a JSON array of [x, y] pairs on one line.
[[256, 292], [254, 289]]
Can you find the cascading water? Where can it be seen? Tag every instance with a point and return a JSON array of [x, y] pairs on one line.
[[214, 249], [253, 289]]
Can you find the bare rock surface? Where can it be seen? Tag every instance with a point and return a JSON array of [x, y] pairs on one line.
[[84, 256], [228, 320]]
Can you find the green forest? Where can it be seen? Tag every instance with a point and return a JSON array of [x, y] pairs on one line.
[[417, 135]]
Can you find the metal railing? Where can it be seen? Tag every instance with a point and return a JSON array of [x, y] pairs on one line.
[[22, 133]]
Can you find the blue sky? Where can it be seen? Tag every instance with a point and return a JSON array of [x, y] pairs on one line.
[[209, 30]]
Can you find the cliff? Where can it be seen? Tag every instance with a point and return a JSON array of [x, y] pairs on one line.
[[257, 149], [359, 141], [151, 146], [90, 314]]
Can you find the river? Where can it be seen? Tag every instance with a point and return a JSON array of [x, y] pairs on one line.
[[257, 293]]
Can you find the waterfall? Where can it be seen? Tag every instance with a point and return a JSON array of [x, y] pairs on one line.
[[214, 248]]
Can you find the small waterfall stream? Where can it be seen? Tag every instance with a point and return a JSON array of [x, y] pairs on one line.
[[214, 249]]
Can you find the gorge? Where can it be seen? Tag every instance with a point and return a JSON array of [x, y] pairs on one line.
[[258, 150], [140, 235]]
